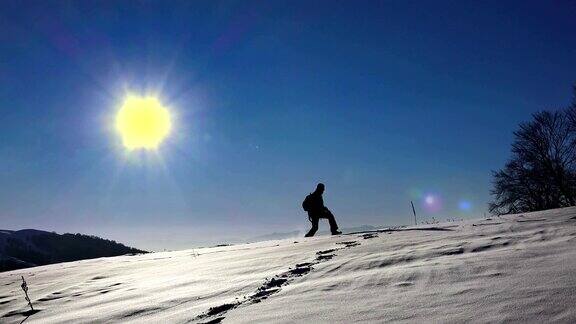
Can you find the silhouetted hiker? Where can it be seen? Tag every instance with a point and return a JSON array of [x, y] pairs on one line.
[[314, 205]]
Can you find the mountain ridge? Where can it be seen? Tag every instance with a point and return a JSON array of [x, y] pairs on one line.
[[31, 247]]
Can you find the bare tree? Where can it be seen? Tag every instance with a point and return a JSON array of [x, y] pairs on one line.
[[542, 171], [571, 112]]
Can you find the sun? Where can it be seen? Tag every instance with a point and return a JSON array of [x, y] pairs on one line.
[[143, 123]]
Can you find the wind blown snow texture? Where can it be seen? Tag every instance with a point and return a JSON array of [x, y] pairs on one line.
[[511, 268]]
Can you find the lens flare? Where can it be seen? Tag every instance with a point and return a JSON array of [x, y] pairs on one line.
[[432, 203], [415, 193], [465, 205]]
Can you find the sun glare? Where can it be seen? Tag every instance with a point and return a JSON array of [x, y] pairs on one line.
[[143, 123]]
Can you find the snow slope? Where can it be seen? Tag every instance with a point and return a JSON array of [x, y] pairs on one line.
[[518, 268]]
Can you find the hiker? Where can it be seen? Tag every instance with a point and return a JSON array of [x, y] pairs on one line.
[[314, 205]]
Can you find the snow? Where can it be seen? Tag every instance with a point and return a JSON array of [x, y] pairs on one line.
[[511, 268]]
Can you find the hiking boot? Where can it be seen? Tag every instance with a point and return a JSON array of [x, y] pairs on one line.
[[336, 232]]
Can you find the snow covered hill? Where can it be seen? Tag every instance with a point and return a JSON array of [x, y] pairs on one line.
[[513, 268]]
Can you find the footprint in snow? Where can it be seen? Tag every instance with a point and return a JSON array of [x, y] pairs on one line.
[[325, 257], [349, 244], [273, 285]]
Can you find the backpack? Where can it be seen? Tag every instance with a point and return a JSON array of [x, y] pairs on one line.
[[306, 204]]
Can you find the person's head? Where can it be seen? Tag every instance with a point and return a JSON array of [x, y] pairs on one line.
[[320, 188]]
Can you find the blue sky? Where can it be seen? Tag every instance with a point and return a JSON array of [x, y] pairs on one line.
[[383, 101]]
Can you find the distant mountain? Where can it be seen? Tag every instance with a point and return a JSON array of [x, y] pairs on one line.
[[275, 236], [30, 248], [298, 234]]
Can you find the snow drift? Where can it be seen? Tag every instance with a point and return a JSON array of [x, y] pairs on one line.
[[511, 268]]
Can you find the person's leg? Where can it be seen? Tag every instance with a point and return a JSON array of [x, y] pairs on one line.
[[314, 228], [331, 220]]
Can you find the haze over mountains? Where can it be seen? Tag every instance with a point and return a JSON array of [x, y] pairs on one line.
[[30, 247], [299, 234]]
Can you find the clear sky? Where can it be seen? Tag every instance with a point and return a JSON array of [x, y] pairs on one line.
[[383, 101]]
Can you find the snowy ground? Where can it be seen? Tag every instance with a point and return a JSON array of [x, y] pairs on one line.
[[514, 268]]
